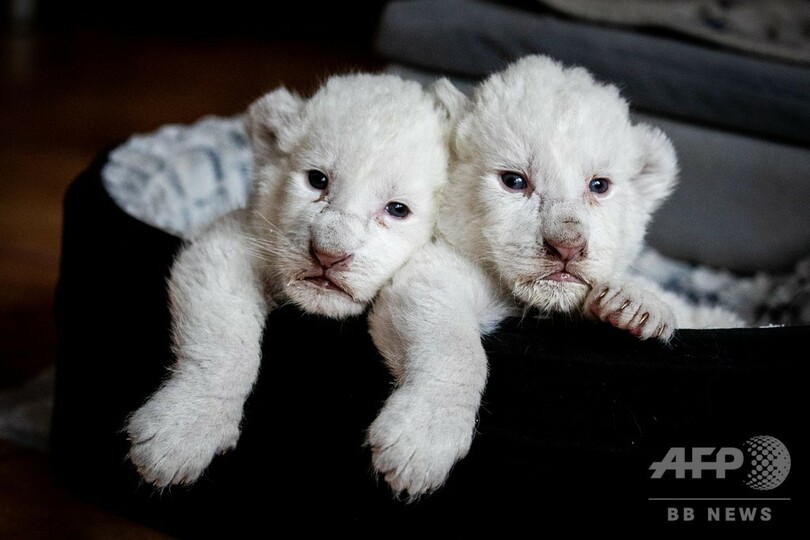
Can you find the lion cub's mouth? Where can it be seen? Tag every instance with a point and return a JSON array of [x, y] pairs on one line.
[[564, 277], [324, 282]]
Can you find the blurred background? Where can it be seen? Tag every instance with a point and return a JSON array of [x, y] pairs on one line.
[[78, 77], [728, 81], [81, 76]]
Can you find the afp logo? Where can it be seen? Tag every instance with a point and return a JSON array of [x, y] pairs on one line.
[[765, 461]]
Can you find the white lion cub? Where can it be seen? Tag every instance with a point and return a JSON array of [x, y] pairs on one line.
[[345, 189], [551, 189]]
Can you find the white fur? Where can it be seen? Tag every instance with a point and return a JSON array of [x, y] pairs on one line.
[[378, 139], [558, 128]]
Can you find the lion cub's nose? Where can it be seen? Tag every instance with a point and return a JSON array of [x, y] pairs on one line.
[[564, 252], [328, 260]]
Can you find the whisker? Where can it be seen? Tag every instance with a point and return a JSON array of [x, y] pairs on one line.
[[270, 226], [260, 256]]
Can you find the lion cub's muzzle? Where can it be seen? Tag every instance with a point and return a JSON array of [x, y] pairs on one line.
[[565, 241], [565, 257]]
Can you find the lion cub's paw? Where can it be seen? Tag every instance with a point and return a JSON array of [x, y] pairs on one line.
[[632, 308], [172, 441], [416, 440]]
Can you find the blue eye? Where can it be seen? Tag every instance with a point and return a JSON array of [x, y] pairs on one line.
[[317, 179], [397, 209], [599, 185], [514, 181]]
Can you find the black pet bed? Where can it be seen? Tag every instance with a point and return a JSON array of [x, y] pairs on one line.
[[573, 417]]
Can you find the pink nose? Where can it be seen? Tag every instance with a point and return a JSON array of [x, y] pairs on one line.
[[565, 252], [328, 260]]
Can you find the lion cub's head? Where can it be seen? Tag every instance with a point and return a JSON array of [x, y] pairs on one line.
[[553, 183], [346, 185]]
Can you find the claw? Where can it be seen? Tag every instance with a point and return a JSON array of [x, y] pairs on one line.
[[602, 294]]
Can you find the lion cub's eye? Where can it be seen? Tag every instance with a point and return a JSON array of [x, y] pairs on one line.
[[599, 185], [317, 179], [397, 209], [514, 181]]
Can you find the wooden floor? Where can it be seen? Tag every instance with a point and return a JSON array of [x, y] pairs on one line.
[[64, 97]]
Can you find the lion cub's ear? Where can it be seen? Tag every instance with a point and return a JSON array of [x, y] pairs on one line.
[[269, 118], [452, 103], [449, 99], [659, 168]]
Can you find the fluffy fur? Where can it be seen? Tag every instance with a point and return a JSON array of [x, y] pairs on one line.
[[326, 242], [550, 241]]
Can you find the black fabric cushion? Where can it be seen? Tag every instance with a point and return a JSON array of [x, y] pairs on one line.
[[573, 416]]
